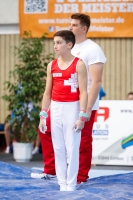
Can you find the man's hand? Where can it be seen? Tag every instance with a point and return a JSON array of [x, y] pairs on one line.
[[42, 125], [78, 126]]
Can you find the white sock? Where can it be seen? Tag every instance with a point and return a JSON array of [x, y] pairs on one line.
[[35, 150], [7, 149], [63, 188], [71, 188]]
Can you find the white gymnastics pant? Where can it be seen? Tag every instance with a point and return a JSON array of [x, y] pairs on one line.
[[66, 142]]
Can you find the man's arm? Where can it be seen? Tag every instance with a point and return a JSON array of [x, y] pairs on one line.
[[82, 80], [96, 71], [48, 90]]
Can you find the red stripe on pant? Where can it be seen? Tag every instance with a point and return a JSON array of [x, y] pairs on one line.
[[85, 150]]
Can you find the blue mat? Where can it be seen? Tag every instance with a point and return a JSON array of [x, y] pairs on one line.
[[16, 184]]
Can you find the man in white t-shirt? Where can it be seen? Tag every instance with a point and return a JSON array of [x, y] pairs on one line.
[[94, 59]]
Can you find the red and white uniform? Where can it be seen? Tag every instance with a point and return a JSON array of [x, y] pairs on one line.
[[64, 113], [65, 82], [90, 53]]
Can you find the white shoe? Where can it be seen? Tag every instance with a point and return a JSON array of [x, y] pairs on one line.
[[42, 176], [7, 150], [35, 150], [63, 188], [71, 188]]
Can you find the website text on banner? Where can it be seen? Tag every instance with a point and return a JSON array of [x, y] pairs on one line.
[[109, 18], [113, 133]]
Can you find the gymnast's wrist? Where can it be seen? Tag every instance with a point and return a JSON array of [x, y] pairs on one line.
[[83, 116], [43, 113]]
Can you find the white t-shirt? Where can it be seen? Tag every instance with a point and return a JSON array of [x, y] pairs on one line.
[[90, 53]]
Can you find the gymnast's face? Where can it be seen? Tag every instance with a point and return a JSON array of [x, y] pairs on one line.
[[130, 97], [60, 46]]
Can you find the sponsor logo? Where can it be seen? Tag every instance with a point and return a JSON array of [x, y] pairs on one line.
[[51, 28], [57, 74], [102, 112], [101, 126], [102, 157], [100, 132]]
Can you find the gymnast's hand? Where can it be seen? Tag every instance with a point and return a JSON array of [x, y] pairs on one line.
[[78, 126], [42, 125]]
